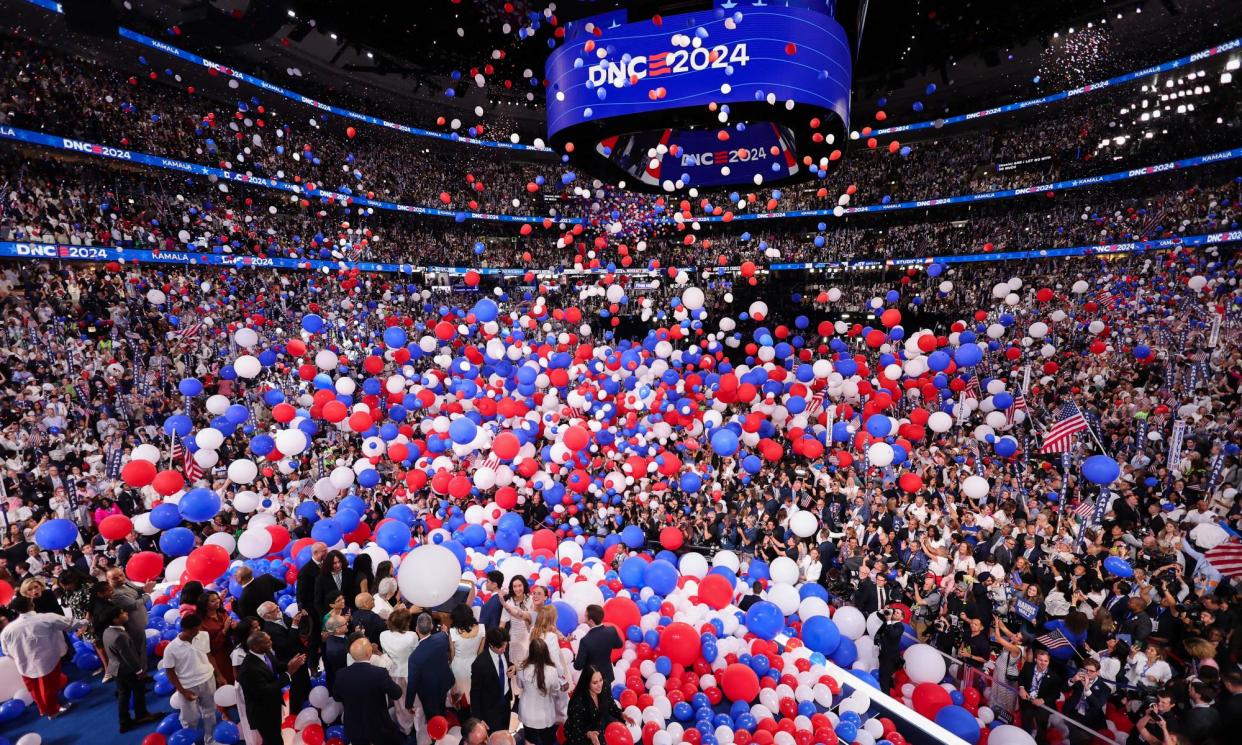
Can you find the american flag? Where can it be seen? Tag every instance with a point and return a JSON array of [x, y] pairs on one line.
[[1227, 558], [972, 387], [189, 467], [1105, 298], [815, 405], [1054, 640], [187, 336], [1060, 436], [1019, 404], [1084, 509]]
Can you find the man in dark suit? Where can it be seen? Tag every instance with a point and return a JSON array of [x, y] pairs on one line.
[[489, 614], [871, 595], [596, 647], [336, 649], [365, 619], [1117, 602], [262, 677], [491, 695], [429, 677], [1038, 686], [888, 639], [365, 692], [1201, 722], [1088, 695], [308, 576], [255, 591], [288, 641], [126, 550]]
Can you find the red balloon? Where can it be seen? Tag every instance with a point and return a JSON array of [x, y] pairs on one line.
[[154, 738], [577, 438], [740, 683], [621, 612], [680, 642], [167, 483], [313, 734], [715, 590], [543, 539], [910, 482], [334, 411], [506, 445], [115, 527], [671, 538], [6, 592], [437, 727], [617, 733], [138, 473], [206, 563], [929, 698], [144, 565]]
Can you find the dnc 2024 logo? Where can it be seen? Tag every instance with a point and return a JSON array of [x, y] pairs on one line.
[[630, 70]]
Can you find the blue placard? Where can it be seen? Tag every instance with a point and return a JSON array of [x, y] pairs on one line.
[[1026, 609]]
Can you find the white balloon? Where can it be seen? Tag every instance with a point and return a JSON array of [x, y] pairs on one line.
[[1007, 734], [246, 337], [976, 487], [254, 543], [939, 421], [924, 664], [429, 575], [225, 541], [217, 404], [880, 454], [850, 622], [784, 597], [147, 452], [804, 523], [209, 438], [319, 697], [226, 696], [247, 366], [243, 471], [784, 570]]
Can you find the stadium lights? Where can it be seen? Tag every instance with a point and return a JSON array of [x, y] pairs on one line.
[[1226, 78], [1233, 64]]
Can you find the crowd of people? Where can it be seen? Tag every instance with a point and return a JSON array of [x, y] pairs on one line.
[[229, 485]]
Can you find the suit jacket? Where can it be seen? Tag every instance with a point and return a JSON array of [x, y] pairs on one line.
[[486, 701], [1049, 688], [287, 641], [1096, 698], [262, 589], [123, 659], [429, 676], [325, 585], [262, 687], [595, 650], [489, 614], [365, 692], [865, 598], [124, 552], [308, 576], [370, 623], [336, 657], [1200, 723]]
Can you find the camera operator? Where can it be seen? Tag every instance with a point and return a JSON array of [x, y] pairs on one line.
[[1088, 695], [926, 603], [1158, 717], [888, 639]]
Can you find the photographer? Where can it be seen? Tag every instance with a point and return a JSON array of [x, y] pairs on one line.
[[1158, 718], [888, 640], [1088, 695], [926, 603]]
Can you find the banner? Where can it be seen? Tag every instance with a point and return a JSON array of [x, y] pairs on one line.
[[1026, 609], [1175, 444]]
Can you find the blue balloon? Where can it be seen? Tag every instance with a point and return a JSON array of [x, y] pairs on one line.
[[187, 736], [846, 653], [764, 619], [165, 516], [56, 535], [226, 733], [328, 531], [1118, 566], [566, 617], [77, 690], [190, 387], [1101, 469], [632, 536], [633, 572], [199, 505], [393, 536], [463, 430], [394, 337], [820, 634], [10, 710], [313, 323], [1142, 352], [968, 355], [959, 721], [724, 441], [661, 577], [177, 542]]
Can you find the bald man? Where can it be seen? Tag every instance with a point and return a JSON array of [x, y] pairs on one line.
[[365, 693]]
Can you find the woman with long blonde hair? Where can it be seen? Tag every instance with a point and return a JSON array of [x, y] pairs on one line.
[[545, 629]]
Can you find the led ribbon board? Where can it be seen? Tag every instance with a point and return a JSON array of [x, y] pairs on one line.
[[778, 75]]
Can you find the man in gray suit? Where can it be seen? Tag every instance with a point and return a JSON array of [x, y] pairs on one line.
[[134, 602], [127, 667]]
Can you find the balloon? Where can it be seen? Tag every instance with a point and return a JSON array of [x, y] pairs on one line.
[[199, 505], [56, 535], [924, 664], [820, 634], [226, 696], [1101, 469], [144, 566], [428, 575], [1007, 734], [764, 619], [1118, 566], [976, 487], [959, 721], [115, 527], [206, 563], [138, 473], [804, 524], [680, 642], [929, 698], [77, 690], [850, 622], [716, 591], [437, 727], [739, 683]]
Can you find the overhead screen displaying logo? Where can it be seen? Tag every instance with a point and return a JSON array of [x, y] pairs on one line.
[[735, 94]]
